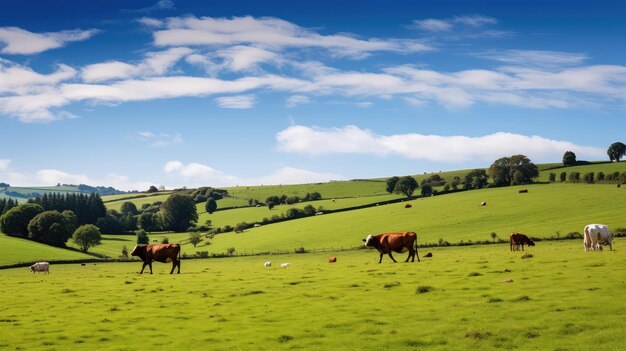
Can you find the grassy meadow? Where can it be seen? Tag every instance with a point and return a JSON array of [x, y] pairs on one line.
[[464, 298], [16, 250]]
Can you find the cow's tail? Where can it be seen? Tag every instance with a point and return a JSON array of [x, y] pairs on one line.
[[416, 254]]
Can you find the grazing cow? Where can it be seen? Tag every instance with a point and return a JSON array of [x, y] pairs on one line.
[[284, 265], [267, 264], [319, 213], [484, 203], [158, 252], [332, 259], [518, 239], [398, 242], [430, 254], [40, 267], [521, 191], [596, 235], [408, 206], [256, 225]]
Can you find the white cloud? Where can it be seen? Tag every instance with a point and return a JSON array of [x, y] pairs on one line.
[[18, 79], [197, 174], [237, 101], [474, 20], [4, 164], [53, 176], [295, 100], [272, 33], [436, 148], [535, 57], [158, 139], [155, 63], [14, 40], [290, 175]]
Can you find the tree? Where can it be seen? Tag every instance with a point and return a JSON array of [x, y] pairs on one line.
[[195, 239], [552, 177], [589, 177], [148, 221], [427, 189], [391, 184], [292, 200], [72, 220], [142, 237], [211, 205], [153, 189], [230, 251], [128, 222], [563, 177], [87, 236], [129, 208], [455, 182], [406, 185], [178, 213], [514, 170], [165, 240], [569, 158], [49, 227], [476, 179], [109, 224], [616, 151], [15, 221]]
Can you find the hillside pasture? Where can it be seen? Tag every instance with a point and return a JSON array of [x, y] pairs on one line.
[[15, 250], [462, 298], [547, 210], [328, 190]]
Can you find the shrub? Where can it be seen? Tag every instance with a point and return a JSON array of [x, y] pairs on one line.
[[142, 237], [240, 227], [202, 254], [309, 210], [300, 250], [49, 227], [230, 251], [87, 236], [165, 240]]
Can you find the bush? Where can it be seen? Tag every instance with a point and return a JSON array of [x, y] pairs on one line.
[[300, 250], [230, 251], [227, 229], [292, 200], [309, 210], [202, 254], [294, 213], [195, 239], [240, 227], [165, 240], [142, 237]]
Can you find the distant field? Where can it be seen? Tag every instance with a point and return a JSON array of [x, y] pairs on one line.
[[138, 201], [542, 212], [607, 168], [560, 298], [110, 198], [16, 250], [256, 214], [328, 190]]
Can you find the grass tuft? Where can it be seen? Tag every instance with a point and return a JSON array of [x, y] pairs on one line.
[[423, 289]]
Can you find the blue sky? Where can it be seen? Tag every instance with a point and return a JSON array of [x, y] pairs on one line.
[[190, 93]]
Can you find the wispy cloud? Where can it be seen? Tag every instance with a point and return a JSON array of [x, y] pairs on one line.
[[535, 57], [436, 148], [237, 101], [18, 41], [158, 139], [271, 33], [295, 100], [448, 24], [4, 164], [159, 6]]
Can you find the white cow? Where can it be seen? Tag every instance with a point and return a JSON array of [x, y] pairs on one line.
[[267, 264], [40, 267], [284, 265], [596, 235]]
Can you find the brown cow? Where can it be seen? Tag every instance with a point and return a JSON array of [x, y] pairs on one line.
[[518, 239], [332, 259], [398, 242], [408, 206], [522, 191], [159, 253]]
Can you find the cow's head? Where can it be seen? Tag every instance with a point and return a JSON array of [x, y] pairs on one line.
[[139, 250], [531, 243], [370, 241]]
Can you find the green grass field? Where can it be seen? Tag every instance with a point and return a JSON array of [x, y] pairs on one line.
[[16, 250], [464, 298]]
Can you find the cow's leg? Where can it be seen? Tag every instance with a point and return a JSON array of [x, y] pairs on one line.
[[178, 266], [150, 264], [381, 258], [143, 267], [394, 260], [411, 255], [522, 246]]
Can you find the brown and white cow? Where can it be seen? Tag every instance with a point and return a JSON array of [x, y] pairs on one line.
[[158, 252], [398, 242], [518, 239], [596, 235]]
